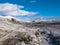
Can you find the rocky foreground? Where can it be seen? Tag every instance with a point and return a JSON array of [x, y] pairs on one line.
[[21, 38]]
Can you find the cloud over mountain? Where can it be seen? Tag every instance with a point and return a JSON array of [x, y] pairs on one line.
[[14, 10]]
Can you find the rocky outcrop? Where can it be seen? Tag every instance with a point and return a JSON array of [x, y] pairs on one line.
[[23, 38]]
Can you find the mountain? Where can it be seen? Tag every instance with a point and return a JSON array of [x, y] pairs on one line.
[[47, 20], [13, 31], [49, 28]]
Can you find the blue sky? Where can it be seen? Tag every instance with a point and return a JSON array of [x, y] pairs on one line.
[[45, 8]]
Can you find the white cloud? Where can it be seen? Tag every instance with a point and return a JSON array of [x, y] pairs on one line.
[[14, 10]]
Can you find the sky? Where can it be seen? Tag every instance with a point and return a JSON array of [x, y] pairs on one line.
[[30, 8]]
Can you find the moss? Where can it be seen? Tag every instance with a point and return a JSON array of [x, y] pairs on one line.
[[37, 34], [26, 39]]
